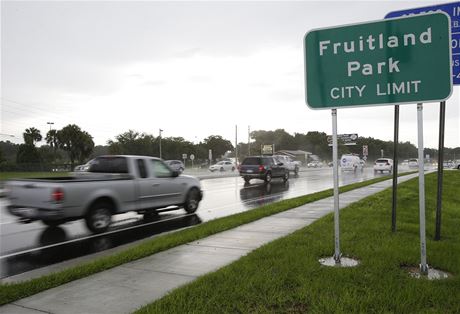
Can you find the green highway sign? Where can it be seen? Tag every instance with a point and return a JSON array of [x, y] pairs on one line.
[[394, 61]]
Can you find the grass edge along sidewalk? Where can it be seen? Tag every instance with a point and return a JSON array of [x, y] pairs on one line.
[[10, 292], [284, 276]]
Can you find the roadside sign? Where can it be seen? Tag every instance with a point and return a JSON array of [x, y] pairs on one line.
[[192, 157], [267, 149], [347, 139], [184, 156], [394, 61], [453, 10], [365, 150]]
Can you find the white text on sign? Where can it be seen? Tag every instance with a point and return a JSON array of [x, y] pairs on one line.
[[390, 65]]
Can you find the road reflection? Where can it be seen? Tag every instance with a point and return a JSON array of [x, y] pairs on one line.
[[254, 195], [53, 250]]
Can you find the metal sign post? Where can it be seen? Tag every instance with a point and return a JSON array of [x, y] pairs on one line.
[[192, 158], [442, 120], [453, 10], [184, 157], [421, 189], [395, 61], [337, 254], [395, 169]]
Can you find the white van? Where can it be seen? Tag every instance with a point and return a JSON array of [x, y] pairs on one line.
[[350, 162]]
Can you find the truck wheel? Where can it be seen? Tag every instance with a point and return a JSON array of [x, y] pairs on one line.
[[268, 177], [192, 200], [99, 217]]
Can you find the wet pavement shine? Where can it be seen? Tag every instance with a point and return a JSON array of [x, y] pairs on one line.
[[125, 288]]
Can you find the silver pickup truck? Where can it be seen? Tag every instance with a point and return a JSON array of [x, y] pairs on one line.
[[105, 186]]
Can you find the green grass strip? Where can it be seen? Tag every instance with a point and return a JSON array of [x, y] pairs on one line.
[[10, 292], [285, 276], [20, 175]]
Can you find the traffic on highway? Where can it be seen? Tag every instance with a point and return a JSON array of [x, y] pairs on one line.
[[27, 246]]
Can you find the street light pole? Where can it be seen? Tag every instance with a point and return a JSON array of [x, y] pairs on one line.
[[50, 124], [160, 140]]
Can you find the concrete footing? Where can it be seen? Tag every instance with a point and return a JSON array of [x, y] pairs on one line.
[[344, 262]]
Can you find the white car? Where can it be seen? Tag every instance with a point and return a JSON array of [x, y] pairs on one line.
[[176, 165], [222, 166], [413, 163], [383, 164], [315, 164], [289, 163]]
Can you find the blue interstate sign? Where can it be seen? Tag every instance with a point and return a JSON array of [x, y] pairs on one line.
[[453, 10]]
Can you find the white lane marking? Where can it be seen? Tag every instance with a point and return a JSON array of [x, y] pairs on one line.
[[90, 237]]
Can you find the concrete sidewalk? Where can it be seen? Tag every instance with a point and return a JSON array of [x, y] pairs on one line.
[[126, 288]]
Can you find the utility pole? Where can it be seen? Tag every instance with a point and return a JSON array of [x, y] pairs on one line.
[[236, 145], [160, 141], [249, 141]]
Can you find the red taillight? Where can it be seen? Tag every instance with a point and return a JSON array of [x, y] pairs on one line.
[[261, 168], [57, 195]]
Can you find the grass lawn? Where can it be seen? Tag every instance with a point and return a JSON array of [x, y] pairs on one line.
[[18, 175], [12, 292], [284, 276]]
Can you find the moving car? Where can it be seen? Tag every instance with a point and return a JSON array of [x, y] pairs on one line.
[[413, 163], [315, 164], [111, 185], [175, 165], [350, 162], [289, 163], [222, 166], [383, 164], [262, 167]]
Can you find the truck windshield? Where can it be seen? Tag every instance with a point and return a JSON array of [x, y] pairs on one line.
[[108, 165]]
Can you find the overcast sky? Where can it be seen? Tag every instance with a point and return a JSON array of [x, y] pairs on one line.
[[192, 69]]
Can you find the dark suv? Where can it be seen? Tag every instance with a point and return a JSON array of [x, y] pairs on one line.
[[262, 167]]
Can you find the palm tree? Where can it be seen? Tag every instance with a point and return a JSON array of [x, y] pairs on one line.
[[52, 139], [32, 135]]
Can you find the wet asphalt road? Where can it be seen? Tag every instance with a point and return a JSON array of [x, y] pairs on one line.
[[24, 247]]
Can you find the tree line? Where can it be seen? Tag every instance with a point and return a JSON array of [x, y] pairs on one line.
[[71, 145]]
